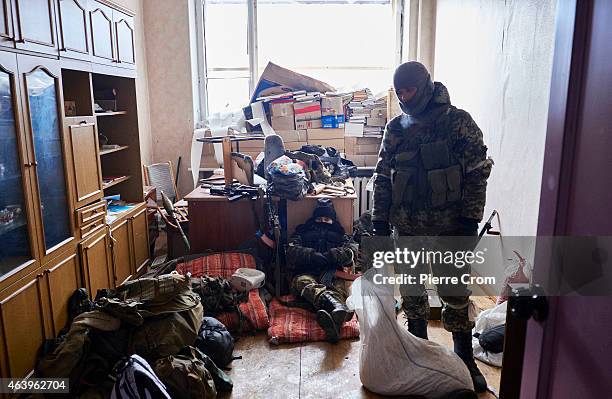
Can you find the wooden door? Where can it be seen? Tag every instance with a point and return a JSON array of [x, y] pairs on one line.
[[124, 33], [22, 325], [567, 355], [19, 253], [51, 193], [63, 278], [7, 35], [81, 134], [122, 252], [102, 33], [139, 238], [35, 26], [74, 29], [97, 263]]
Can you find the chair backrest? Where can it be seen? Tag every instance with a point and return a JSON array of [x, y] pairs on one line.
[[161, 176]]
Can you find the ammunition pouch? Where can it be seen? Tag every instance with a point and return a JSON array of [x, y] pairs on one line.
[[428, 177]]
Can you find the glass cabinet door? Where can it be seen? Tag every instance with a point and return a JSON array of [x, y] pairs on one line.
[[15, 248], [42, 100]]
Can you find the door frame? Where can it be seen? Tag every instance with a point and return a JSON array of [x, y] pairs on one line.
[[526, 368]]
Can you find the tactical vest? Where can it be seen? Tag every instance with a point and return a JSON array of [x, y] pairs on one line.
[[427, 175]]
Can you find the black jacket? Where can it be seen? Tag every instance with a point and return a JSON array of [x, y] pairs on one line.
[[329, 240]]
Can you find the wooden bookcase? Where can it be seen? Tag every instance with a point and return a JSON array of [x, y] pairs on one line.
[[121, 128], [53, 221]]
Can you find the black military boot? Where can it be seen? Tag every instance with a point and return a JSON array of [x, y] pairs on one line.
[[337, 309], [463, 348], [332, 331], [418, 328]]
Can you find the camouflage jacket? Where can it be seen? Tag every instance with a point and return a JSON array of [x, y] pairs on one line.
[[310, 238], [408, 137]]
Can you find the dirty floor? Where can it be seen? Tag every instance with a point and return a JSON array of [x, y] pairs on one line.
[[316, 369]]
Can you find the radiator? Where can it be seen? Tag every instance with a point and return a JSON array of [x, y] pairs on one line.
[[364, 197]]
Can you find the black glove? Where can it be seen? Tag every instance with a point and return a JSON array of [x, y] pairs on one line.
[[381, 228], [468, 227], [319, 261]]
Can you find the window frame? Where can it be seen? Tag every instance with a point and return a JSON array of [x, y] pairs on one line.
[[401, 17]]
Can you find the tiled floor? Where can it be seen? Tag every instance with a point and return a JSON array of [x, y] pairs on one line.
[[314, 370]]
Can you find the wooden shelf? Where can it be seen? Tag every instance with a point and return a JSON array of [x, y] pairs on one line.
[[110, 151], [111, 113], [115, 182]]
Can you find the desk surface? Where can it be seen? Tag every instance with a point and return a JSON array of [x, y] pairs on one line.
[[203, 194]]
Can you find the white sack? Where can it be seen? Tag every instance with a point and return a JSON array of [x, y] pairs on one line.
[[391, 360]]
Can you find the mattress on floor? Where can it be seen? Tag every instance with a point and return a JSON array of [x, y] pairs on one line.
[[294, 324], [224, 265]]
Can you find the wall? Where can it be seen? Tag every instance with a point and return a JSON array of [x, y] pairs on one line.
[[495, 57], [169, 72], [142, 87]]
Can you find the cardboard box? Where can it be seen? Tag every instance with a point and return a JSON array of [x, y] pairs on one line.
[[358, 160], [251, 145], [283, 108], [291, 136], [312, 124], [370, 160], [332, 106], [332, 121], [379, 113], [362, 140], [363, 160], [295, 145], [353, 129], [283, 123], [362, 145], [366, 149], [338, 144], [379, 122], [326, 134], [307, 110]]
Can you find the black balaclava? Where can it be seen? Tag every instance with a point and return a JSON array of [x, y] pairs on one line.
[[414, 74], [324, 208]]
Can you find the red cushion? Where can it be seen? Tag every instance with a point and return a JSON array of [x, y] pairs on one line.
[[224, 265], [292, 324]]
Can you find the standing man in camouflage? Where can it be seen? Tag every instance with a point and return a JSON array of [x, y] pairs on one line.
[[431, 180]]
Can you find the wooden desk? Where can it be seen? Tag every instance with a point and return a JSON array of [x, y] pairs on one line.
[[299, 211], [220, 225], [217, 224]]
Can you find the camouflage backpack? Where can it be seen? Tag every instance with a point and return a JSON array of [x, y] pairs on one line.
[[191, 374], [217, 296]]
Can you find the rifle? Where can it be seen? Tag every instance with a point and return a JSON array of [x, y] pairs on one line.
[[235, 191], [274, 225], [174, 222], [487, 226]]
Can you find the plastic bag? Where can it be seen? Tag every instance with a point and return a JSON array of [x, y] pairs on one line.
[[518, 271], [391, 360], [486, 319]]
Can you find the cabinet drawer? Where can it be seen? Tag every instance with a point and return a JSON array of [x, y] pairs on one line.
[[91, 213], [92, 227]]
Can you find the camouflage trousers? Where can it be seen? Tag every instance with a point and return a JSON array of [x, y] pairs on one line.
[[308, 287], [456, 304]]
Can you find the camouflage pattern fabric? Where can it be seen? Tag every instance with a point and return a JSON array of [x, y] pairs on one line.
[[407, 138], [307, 286]]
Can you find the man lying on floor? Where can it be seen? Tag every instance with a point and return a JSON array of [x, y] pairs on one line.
[[317, 249]]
